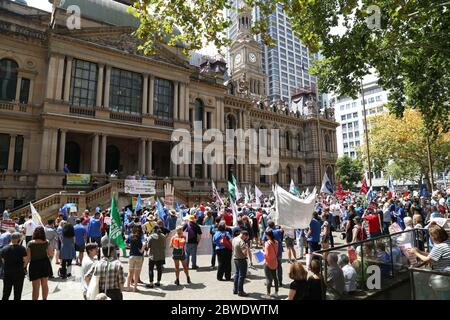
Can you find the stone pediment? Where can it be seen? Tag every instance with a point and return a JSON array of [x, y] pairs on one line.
[[121, 38]]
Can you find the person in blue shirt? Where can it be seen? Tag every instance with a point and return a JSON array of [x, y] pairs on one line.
[[172, 220], [224, 254], [278, 234], [93, 231], [80, 240], [313, 235]]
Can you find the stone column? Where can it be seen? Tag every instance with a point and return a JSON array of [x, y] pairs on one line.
[[107, 85], [12, 151], [151, 94], [94, 154], [26, 146], [148, 166], [142, 157], [68, 79], [54, 146], [18, 86], [51, 77], [103, 155], [45, 150], [175, 101], [182, 105], [186, 107], [204, 119], [62, 150], [101, 68], [30, 93], [145, 95], [59, 78]]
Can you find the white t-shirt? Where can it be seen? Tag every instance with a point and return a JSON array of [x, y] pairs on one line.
[[335, 209], [349, 278], [85, 266], [29, 228]]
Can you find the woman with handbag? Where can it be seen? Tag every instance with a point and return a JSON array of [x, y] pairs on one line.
[[222, 240], [39, 254], [177, 243]]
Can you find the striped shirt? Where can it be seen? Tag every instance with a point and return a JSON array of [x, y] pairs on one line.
[[440, 256], [110, 273]]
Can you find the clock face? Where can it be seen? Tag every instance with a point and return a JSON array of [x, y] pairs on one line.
[[252, 57], [237, 59]]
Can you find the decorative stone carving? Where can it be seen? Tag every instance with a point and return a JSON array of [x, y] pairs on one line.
[[243, 85]]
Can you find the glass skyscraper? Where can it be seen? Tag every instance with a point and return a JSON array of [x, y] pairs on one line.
[[286, 65]]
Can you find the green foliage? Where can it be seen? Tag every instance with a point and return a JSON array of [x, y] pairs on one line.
[[409, 53], [349, 171]]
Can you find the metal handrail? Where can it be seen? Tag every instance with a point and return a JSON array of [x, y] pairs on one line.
[[422, 270]]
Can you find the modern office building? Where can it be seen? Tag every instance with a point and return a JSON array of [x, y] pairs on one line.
[[286, 65]]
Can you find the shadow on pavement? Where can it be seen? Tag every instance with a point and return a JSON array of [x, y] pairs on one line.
[[152, 292], [254, 277]]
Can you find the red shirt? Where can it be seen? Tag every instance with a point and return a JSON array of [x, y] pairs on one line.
[[228, 219], [374, 223], [85, 220]]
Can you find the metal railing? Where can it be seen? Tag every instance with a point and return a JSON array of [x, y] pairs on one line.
[[393, 262], [427, 284]]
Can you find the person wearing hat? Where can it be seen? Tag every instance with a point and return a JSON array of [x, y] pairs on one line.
[[148, 226], [15, 259], [172, 220], [194, 231]]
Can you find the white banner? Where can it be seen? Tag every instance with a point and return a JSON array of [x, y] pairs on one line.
[[140, 186], [204, 246], [291, 211]]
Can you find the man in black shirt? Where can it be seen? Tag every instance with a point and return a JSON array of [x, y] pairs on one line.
[[14, 256]]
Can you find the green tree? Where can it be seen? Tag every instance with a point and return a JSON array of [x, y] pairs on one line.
[[399, 147], [349, 171], [409, 52]]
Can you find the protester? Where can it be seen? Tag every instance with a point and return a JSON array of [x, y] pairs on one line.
[[298, 289], [88, 261], [110, 273], [349, 274], [194, 231], [157, 256], [67, 251], [14, 268], [177, 243], [325, 234], [290, 240], [359, 232], [335, 277], [172, 220], [222, 240], [135, 261], [93, 231], [240, 251], [313, 234], [271, 261], [278, 236], [316, 284], [29, 227], [80, 240], [59, 230], [39, 254]]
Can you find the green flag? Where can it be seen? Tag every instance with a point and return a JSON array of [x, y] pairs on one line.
[[232, 190], [233, 180], [115, 229]]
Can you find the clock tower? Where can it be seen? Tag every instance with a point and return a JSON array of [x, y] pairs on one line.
[[246, 55]]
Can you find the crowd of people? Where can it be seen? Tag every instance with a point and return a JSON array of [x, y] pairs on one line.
[[236, 240]]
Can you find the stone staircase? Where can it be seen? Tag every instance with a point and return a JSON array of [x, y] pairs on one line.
[[48, 207]]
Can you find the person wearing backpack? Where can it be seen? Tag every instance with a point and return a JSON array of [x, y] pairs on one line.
[[194, 231], [222, 240]]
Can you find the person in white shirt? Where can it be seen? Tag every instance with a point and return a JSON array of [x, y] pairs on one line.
[[86, 264], [349, 274], [29, 227], [5, 215]]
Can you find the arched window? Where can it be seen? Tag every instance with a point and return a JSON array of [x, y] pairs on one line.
[[8, 79], [198, 111], [72, 156], [231, 121], [288, 140], [300, 175], [300, 142], [288, 175], [327, 143]]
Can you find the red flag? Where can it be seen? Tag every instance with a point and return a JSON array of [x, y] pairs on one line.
[[364, 189], [341, 194]]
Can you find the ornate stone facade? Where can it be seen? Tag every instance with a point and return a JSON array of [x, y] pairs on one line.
[[69, 108]]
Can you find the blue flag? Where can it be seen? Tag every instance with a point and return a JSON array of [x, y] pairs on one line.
[[177, 207], [138, 204], [161, 212], [259, 255], [424, 192], [370, 195]]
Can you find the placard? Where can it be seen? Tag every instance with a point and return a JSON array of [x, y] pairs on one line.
[[140, 186], [5, 225], [78, 179]]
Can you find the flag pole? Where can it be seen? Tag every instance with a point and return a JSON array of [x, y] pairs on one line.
[[366, 134]]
